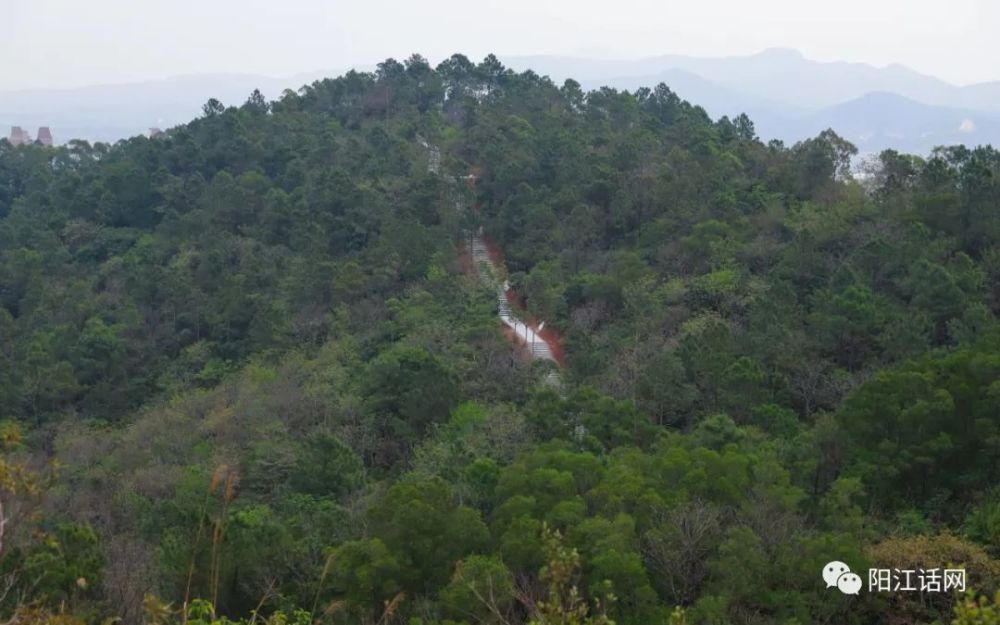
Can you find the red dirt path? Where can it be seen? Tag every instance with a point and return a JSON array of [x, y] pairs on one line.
[[551, 337]]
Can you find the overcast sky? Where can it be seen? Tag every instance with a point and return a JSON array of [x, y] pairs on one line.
[[54, 43]]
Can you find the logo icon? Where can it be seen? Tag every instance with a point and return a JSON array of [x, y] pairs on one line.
[[837, 574], [849, 583]]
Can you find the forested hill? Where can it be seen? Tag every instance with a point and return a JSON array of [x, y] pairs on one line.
[[254, 350]]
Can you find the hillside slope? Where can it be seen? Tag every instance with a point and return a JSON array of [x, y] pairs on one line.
[[254, 348]]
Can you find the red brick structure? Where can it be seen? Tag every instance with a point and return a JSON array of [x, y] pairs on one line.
[[18, 136], [44, 136]]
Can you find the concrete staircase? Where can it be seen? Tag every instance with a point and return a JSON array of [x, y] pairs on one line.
[[490, 274]]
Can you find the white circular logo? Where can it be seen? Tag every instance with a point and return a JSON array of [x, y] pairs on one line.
[[838, 575]]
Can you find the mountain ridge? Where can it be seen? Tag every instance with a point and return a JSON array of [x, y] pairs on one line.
[[785, 93], [747, 71]]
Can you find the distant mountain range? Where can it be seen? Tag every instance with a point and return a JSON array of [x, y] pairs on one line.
[[777, 74], [880, 120], [788, 96], [791, 98], [112, 112]]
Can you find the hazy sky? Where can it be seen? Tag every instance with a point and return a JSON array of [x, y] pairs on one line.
[[49, 43]]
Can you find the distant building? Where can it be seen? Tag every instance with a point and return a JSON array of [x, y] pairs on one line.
[[18, 136], [44, 136], [154, 133]]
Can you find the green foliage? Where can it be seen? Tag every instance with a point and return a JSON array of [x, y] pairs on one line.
[[420, 522], [928, 431], [983, 524], [327, 467], [563, 603], [975, 610], [65, 563], [279, 399], [411, 386], [481, 589], [365, 575], [594, 420]]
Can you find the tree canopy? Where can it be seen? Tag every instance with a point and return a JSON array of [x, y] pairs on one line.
[[247, 375]]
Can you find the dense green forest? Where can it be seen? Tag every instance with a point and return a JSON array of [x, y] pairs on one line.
[[243, 374]]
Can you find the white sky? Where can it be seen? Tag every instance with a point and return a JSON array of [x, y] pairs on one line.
[[48, 43]]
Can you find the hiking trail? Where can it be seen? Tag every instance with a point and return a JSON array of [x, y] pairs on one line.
[[539, 345]]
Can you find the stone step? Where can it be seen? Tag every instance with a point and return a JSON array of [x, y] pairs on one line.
[[537, 347]]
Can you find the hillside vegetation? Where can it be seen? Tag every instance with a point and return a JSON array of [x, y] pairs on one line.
[[243, 374]]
